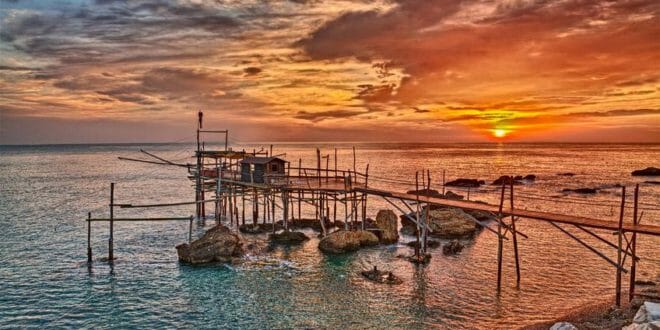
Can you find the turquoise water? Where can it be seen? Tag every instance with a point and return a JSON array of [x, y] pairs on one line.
[[46, 192]]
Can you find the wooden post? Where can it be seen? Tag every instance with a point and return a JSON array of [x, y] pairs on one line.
[[89, 237], [354, 160], [443, 182], [243, 206], [515, 239], [499, 241], [190, 230], [300, 197], [619, 248], [255, 207], [417, 246], [112, 216], [266, 213], [318, 165], [633, 244]]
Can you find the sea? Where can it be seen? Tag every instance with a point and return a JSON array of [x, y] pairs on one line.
[[46, 192]]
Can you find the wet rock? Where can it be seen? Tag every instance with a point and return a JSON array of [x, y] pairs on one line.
[[581, 190], [421, 259], [481, 215], [566, 174], [648, 312], [425, 192], [506, 180], [451, 223], [529, 177], [408, 230], [472, 183], [429, 243], [649, 171], [386, 222], [219, 244], [452, 247], [563, 326], [379, 276], [452, 195], [259, 228], [288, 237], [345, 241]]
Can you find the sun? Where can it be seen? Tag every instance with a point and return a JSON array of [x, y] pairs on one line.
[[499, 133]]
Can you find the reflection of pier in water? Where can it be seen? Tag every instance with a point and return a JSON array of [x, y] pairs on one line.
[[267, 185]]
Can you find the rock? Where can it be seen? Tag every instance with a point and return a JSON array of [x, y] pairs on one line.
[[652, 182], [481, 215], [563, 326], [259, 228], [421, 259], [217, 244], [452, 247], [643, 326], [386, 221], [648, 312], [379, 276], [473, 183], [345, 241], [288, 237], [649, 171], [451, 223], [529, 177], [452, 195], [425, 192], [408, 230], [506, 180], [566, 174], [581, 190]]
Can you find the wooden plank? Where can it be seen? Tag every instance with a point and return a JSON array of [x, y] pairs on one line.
[[529, 214]]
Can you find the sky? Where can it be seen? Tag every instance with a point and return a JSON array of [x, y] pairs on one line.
[[91, 71]]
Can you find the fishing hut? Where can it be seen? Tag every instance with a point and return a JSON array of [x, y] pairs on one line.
[[274, 193]]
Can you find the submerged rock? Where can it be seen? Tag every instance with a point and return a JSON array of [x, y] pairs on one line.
[[219, 244], [472, 183], [259, 228], [581, 190], [386, 221], [452, 247], [425, 192], [379, 276], [288, 237], [506, 180], [429, 243], [421, 259], [566, 174], [649, 171], [345, 241]]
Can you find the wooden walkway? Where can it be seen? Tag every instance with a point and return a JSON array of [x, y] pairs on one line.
[[653, 230]]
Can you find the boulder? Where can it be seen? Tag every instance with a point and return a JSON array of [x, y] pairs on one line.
[[563, 326], [219, 244], [425, 192], [452, 247], [648, 312], [386, 221], [451, 223], [566, 174], [452, 195], [408, 230], [649, 171], [506, 180], [473, 183], [529, 177], [431, 244], [581, 190], [345, 241], [481, 215], [259, 228], [288, 237]]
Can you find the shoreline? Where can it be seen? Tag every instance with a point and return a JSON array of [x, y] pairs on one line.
[[597, 315]]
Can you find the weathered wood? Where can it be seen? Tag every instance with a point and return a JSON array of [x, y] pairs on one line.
[[620, 239], [633, 248], [112, 215], [499, 241], [514, 236], [89, 237]]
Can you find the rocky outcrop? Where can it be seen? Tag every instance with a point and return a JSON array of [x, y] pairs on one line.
[[517, 180], [345, 241], [259, 228], [649, 171], [647, 317], [452, 195], [451, 223], [380, 276], [472, 183], [566, 174], [431, 244], [425, 192], [453, 247], [386, 222], [219, 244], [563, 326], [288, 237], [581, 190]]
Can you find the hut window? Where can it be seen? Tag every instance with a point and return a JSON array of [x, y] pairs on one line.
[[273, 167]]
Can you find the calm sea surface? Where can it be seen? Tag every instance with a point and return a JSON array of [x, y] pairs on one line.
[[46, 192]]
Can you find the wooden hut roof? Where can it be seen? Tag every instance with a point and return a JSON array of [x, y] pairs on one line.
[[260, 160]]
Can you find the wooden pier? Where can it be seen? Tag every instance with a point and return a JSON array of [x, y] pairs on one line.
[[268, 188]]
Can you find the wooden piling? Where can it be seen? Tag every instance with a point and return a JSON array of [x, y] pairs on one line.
[[190, 225], [89, 237], [620, 247], [499, 241], [515, 239], [633, 247], [112, 216]]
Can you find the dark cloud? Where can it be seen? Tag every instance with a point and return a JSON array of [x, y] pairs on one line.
[[330, 114]]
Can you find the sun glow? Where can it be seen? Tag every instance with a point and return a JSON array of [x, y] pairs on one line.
[[499, 133]]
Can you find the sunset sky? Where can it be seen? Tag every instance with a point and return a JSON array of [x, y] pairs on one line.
[[74, 71]]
